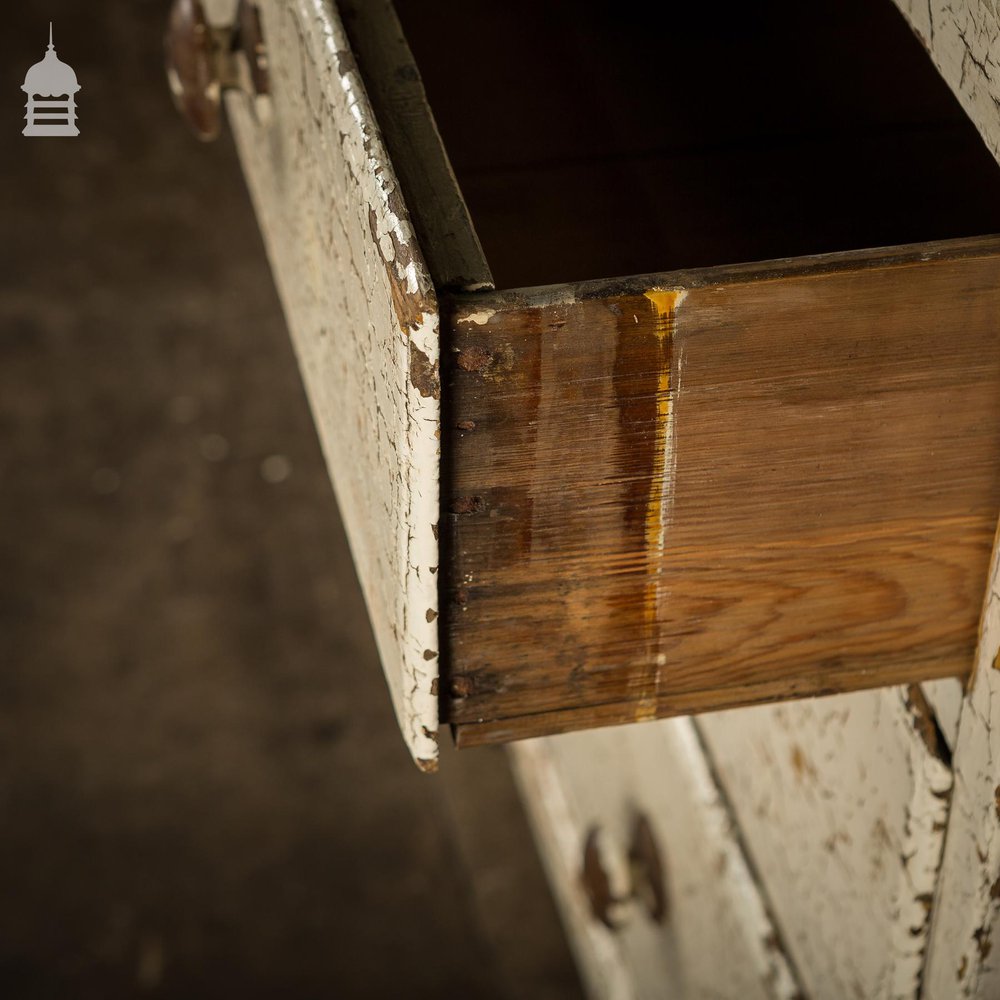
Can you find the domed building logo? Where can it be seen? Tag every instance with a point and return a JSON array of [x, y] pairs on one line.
[[51, 87]]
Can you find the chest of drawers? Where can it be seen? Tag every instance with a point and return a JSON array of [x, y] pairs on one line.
[[596, 471]]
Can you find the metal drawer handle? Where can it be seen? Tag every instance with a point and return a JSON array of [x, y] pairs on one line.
[[203, 61], [641, 880]]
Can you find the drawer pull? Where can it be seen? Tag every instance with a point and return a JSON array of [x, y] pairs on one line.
[[610, 889], [203, 61]]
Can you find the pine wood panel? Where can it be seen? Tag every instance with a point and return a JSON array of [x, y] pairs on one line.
[[712, 488]]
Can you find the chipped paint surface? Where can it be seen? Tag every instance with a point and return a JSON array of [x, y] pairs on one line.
[[963, 39], [843, 803], [480, 318], [718, 939], [364, 321], [966, 932]]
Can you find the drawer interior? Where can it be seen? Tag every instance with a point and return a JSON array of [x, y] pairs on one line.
[[591, 142]]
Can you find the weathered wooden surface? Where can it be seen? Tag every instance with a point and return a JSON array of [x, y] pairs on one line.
[[363, 317], [963, 39], [842, 803], [966, 931], [717, 938], [710, 488]]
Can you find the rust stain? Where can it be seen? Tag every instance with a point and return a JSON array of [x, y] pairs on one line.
[[424, 374], [466, 505], [493, 365], [473, 359], [461, 686]]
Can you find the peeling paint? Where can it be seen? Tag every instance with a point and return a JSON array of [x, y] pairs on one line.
[[363, 315], [843, 803], [480, 318], [424, 374]]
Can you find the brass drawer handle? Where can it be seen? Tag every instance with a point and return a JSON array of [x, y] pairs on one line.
[[203, 61]]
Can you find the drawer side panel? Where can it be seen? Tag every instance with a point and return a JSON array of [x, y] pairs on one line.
[[686, 492]]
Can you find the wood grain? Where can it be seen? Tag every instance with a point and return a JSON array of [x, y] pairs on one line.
[[774, 481]]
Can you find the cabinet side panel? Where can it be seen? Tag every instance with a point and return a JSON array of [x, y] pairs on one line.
[[363, 318]]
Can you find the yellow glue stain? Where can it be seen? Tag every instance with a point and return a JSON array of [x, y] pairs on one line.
[[661, 492]]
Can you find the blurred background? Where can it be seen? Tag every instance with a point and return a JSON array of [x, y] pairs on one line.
[[203, 791]]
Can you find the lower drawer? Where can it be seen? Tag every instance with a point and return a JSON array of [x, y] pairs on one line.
[[800, 847], [647, 791]]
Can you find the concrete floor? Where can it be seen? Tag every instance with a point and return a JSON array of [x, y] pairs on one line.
[[202, 789]]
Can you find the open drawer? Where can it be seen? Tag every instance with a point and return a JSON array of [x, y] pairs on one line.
[[714, 484]]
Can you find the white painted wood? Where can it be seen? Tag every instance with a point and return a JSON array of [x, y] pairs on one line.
[[963, 961], [718, 940], [842, 804], [963, 39], [363, 317]]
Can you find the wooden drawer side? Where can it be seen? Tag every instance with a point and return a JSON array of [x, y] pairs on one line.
[[694, 491]]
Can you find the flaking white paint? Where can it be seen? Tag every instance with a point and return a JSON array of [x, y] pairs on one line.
[[359, 302], [963, 958], [842, 805]]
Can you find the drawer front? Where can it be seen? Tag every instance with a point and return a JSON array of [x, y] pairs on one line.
[[808, 837], [716, 938], [363, 315], [842, 803]]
